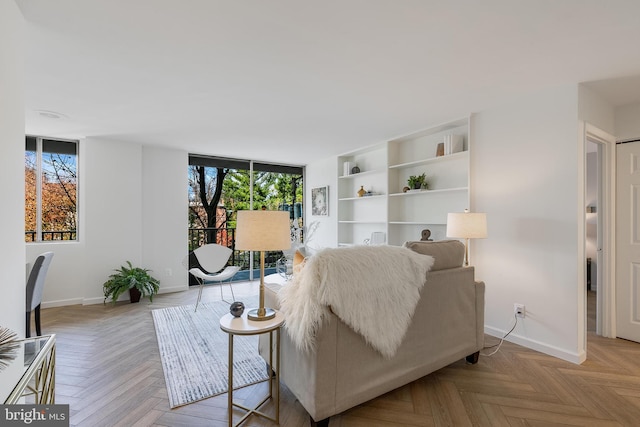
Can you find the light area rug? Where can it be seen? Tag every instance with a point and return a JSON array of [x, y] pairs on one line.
[[194, 353]]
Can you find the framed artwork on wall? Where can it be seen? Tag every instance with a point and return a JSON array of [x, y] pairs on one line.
[[320, 201]]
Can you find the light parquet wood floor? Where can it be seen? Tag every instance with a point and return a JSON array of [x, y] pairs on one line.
[[109, 371]]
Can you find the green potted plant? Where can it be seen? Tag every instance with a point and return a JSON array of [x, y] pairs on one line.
[[417, 182], [135, 279]]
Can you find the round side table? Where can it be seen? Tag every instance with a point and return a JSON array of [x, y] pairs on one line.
[[243, 326]]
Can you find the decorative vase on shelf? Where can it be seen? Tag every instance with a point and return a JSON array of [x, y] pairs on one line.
[[361, 191], [355, 169]]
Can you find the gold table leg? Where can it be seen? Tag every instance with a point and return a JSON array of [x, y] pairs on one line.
[[254, 410], [230, 392]]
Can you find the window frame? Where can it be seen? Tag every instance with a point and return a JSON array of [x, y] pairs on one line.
[[39, 140]]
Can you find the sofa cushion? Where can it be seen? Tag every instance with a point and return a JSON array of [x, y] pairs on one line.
[[447, 253]]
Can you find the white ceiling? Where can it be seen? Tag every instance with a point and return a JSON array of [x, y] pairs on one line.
[[293, 80]]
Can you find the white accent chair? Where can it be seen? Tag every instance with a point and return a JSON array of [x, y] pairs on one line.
[[35, 289], [213, 258]]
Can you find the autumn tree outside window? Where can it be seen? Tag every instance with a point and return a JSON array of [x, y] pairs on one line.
[[51, 183]]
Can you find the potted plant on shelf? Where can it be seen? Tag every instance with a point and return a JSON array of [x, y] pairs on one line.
[[135, 279], [417, 182]]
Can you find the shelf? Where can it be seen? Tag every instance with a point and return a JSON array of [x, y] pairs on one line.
[[377, 196], [362, 222], [425, 192], [430, 160], [386, 168], [447, 126], [414, 223], [359, 174]]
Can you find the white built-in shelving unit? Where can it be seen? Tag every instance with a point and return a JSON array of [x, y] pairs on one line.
[[358, 216], [384, 171]]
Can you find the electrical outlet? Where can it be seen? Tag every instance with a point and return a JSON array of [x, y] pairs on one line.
[[519, 310], [168, 272]]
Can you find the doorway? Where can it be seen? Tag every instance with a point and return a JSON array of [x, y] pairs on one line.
[[599, 211], [592, 249]]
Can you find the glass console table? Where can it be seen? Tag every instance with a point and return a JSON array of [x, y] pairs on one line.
[[29, 370]]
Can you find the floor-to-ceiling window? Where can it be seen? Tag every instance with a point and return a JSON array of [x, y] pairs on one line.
[[219, 187]]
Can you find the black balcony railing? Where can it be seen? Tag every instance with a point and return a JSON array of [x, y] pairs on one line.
[[47, 236]]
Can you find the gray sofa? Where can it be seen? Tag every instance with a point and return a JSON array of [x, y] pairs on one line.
[[344, 371]]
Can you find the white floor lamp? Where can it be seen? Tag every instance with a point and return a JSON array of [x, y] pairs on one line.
[[467, 225], [263, 231]]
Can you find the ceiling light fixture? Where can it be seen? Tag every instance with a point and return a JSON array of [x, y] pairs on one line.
[[51, 114]]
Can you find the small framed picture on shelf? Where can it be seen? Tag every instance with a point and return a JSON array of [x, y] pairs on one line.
[[320, 201]]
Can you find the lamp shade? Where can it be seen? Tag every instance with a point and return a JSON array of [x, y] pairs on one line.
[[467, 225], [263, 231]]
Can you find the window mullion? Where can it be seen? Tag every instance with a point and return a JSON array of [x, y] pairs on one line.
[[251, 208], [38, 189]]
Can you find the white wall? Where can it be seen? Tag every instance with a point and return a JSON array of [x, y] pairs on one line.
[[593, 109], [527, 177], [318, 174], [12, 257], [164, 216], [112, 210], [627, 122]]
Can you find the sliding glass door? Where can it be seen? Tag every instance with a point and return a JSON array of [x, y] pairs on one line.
[[219, 187]]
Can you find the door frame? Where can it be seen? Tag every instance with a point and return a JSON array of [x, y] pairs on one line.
[[606, 298]]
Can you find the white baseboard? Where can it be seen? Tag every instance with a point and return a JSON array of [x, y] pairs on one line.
[[61, 303], [100, 300], [173, 289], [560, 353]]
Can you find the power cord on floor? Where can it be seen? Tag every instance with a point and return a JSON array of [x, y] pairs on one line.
[[501, 340]]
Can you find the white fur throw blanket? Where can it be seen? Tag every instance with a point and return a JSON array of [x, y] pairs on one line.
[[373, 289]]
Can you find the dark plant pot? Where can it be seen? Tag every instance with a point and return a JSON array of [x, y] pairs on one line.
[[134, 295]]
